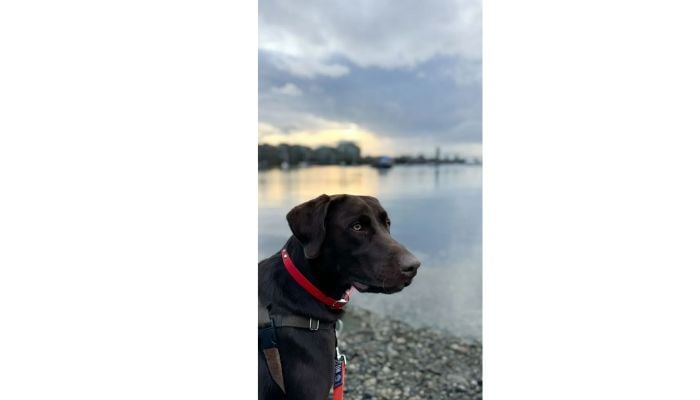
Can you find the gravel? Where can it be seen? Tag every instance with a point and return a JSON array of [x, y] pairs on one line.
[[390, 359]]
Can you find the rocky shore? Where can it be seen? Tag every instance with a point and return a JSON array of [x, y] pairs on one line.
[[390, 359]]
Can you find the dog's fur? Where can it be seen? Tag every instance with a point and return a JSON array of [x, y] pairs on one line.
[[337, 241]]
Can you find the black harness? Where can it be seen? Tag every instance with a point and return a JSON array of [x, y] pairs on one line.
[[267, 338], [268, 325]]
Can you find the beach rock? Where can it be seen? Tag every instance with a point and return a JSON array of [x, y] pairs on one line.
[[390, 359]]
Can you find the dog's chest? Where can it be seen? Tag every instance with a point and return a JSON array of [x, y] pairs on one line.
[[308, 360]]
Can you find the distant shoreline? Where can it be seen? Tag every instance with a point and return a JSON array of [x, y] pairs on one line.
[[301, 165], [347, 153]]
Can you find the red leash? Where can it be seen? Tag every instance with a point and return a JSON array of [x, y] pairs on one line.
[[310, 288], [339, 377]]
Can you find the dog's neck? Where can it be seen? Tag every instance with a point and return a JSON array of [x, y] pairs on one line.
[[321, 272]]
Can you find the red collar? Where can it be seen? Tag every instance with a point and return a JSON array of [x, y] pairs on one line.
[[310, 288]]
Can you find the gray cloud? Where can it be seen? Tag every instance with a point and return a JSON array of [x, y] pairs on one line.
[[288, 89], [406, 69], [370, 33]]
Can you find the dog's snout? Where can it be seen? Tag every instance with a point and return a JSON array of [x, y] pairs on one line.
[[409, 264]]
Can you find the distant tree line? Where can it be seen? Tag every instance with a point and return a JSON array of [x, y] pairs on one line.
[[345, 153]]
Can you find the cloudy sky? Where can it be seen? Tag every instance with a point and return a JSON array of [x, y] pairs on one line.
[[394, 76]]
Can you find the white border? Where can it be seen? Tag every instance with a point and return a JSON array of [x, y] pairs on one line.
[[590, 200], [127, 171], [128, 197]]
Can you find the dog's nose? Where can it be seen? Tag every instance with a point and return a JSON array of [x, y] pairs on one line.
[[409, 265]]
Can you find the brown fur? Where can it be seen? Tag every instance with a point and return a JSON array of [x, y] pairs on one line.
[[337, 241]]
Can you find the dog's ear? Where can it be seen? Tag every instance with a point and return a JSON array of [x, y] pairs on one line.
[[308, 224]]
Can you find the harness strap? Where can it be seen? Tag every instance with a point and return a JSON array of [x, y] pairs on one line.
[[296, 321], [274, 365], [268, 339]]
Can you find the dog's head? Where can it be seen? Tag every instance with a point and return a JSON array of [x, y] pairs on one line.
[[353, 231]]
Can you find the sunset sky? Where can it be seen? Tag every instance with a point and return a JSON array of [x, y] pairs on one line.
[[395, 77]]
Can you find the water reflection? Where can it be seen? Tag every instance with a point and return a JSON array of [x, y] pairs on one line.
[[277, 187], [435, 212], [437, 176]]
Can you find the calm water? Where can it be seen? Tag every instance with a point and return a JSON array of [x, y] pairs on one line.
[[435, 212]]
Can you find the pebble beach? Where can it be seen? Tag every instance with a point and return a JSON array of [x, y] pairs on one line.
[[390, 359]]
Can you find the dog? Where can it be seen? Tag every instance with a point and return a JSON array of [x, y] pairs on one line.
[[338, 243]]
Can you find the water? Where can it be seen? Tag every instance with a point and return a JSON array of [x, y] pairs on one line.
[[434, 211]]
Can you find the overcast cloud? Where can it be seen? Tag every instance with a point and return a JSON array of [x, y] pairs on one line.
[[407, 72]]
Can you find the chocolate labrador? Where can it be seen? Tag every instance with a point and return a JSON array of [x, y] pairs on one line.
[[337, 242]]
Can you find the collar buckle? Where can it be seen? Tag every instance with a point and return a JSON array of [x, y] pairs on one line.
[[338, 304]]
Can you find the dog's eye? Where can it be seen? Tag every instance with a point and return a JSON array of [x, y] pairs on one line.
[[357, 226], [388, 222]]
